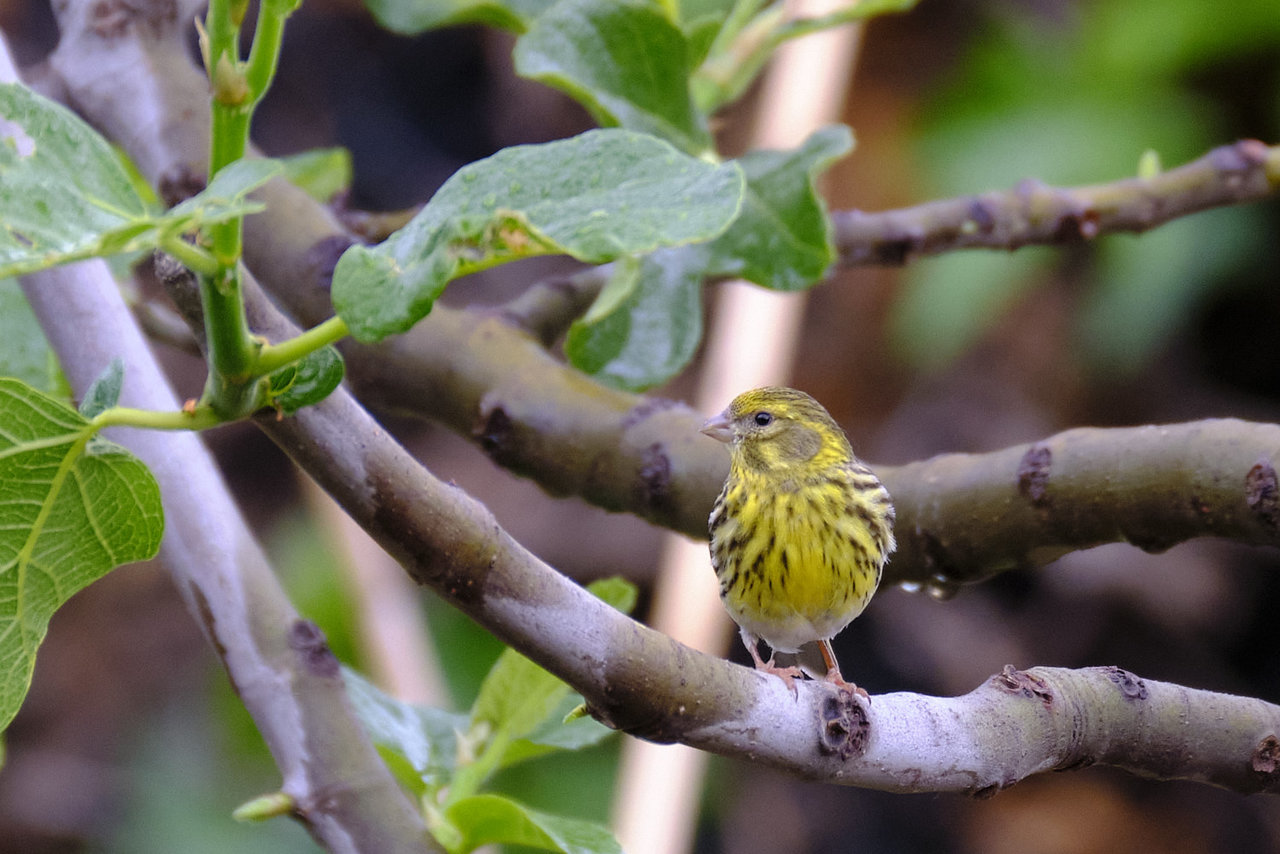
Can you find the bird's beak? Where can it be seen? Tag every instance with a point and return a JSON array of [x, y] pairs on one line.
[[719, 427]]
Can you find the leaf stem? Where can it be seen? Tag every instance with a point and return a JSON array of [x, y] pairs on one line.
[[272, 357], [202, 417], [193, 257]]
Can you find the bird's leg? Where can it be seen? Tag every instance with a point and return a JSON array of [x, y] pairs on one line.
[[787, 674], [833, 671]]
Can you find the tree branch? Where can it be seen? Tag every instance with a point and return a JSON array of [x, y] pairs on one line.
[[499, 386], [1034, 213], [965, 517], [279, 663], [647, 684], [645, 455]]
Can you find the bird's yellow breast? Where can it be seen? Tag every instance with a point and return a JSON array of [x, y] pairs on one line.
[[798, 560]]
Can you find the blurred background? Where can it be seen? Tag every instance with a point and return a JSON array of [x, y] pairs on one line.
[[131, 740]]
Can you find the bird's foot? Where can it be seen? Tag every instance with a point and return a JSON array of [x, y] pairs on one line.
[[788, 675], [833, 677]]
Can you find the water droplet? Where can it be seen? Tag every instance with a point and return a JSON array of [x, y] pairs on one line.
[[911, 586], [942, 588]]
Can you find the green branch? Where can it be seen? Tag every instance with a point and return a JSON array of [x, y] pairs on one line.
[[233, 389]]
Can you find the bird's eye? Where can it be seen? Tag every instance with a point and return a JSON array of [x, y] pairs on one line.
[[763, 419]]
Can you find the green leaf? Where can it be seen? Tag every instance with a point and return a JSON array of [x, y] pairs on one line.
[[516, 696], [782, 239], [646, 324], [414, 16], [72, 510], [648, 328], [626, 62], [66, 196], [61, 186], [555, 733], [321, 172], [520, 704], [595, 197], [24, 352], [105, 390], [225, 198], [425, 738], [309, 381], [485, 819], [616, 592]]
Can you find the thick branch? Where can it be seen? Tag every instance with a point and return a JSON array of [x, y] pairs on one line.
[[1036, 214], [965, 517], [649, 685], [534, 415]]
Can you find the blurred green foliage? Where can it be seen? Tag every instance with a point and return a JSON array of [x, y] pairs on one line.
[[1074, 94]]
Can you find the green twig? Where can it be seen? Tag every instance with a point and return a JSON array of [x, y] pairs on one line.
[[200, 417], [193, 257], [233, 351], [273, 357], [237, 87]]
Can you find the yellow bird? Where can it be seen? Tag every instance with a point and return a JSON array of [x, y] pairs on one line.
[[801, 530]]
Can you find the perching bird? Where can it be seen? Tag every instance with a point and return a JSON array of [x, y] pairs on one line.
[[801, 530]]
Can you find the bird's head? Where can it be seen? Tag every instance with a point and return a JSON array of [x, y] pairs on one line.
[[773, 428]]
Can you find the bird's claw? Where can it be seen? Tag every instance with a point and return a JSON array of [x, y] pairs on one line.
[[833, 677], [788, 675]]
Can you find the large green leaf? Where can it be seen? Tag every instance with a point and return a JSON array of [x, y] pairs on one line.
[[626, 62], [415, 16], [484, 819], [782, 239], [516, 697], [66, 195], [61, 186], [646, 324], [71, 509], [522, 712], [597, 196]]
